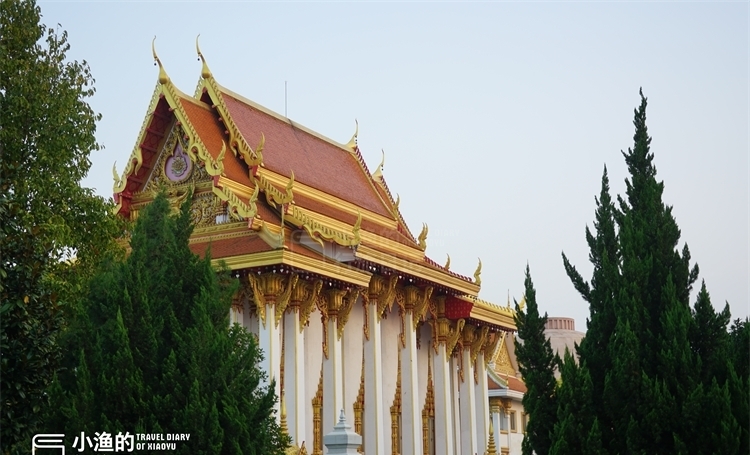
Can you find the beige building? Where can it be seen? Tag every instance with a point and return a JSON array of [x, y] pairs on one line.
[[506, 387]]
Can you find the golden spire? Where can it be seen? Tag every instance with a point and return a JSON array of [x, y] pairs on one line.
[[448, 262], [352, 144], [282, 424], [205, 72], [477, 273], [163, 78], [378, 174], [491, 449]]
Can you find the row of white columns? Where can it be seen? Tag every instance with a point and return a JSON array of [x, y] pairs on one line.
[[461, 406]]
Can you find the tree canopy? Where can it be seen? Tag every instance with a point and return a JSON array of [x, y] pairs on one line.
[[154, 351], [52, 231], [537, 363], [654, 375]]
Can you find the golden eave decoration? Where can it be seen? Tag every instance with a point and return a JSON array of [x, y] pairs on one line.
[[478, 273], [320, 231], [274, 195]]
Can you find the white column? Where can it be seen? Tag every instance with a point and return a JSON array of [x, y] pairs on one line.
[[375, 416], [269, 341], [294, 381], [497, 421], [411, 414], [457, 404], [468, 412], [482, 402], [333, 380], [443, 403]]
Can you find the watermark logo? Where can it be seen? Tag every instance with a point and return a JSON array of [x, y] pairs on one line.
[[107, 442], [47, 441]]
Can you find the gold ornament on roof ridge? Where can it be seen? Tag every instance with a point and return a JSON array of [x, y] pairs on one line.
[[205, 72], [423, 237], [352, 144], [120, 182], [163, 78], [478, 273], [447, 265], [378, 174]]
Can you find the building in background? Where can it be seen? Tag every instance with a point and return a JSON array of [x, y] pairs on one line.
[[349, 311], [506, 387]]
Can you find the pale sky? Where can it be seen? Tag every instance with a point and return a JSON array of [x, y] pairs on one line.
[[496, 118]]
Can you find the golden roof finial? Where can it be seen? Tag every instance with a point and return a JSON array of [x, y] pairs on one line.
[[477, 273], [522, 303], [379, 171], [163, 78], [119, 182], [205, 72], [448, 262], [423, 237], [491, 449], [352, 144]]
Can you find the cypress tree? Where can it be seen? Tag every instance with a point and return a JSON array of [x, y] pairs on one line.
[[537, 363], [600, 294], [657, 369], [156, 354]]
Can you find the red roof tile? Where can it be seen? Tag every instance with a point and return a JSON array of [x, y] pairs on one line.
[[315, 162], [236, 246], [211, 132]]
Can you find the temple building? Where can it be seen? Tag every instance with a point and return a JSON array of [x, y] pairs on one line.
[[347, 307]]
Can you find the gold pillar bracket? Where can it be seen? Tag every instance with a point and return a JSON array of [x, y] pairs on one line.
[[387, 295], [478, 344], [283, 299], [308, 303], [421, 304], [453, 336], [345, 309], [258, 297]]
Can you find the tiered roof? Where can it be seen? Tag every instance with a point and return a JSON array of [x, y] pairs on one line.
[[292, 197]]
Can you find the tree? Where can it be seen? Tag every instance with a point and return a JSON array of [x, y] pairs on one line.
[[156, 352], [537, 363], [52, 231], [645, 348]]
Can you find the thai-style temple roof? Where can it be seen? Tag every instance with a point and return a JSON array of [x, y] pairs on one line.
[[269, 192]]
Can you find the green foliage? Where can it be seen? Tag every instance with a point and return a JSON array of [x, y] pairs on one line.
[[46, 218], [661, 376], [155, 351], [537, 363]]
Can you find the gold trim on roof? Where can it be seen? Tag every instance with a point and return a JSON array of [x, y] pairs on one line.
[[447, 265]]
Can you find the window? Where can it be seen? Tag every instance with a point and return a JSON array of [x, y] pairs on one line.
[[512, 417], [524, 421]]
